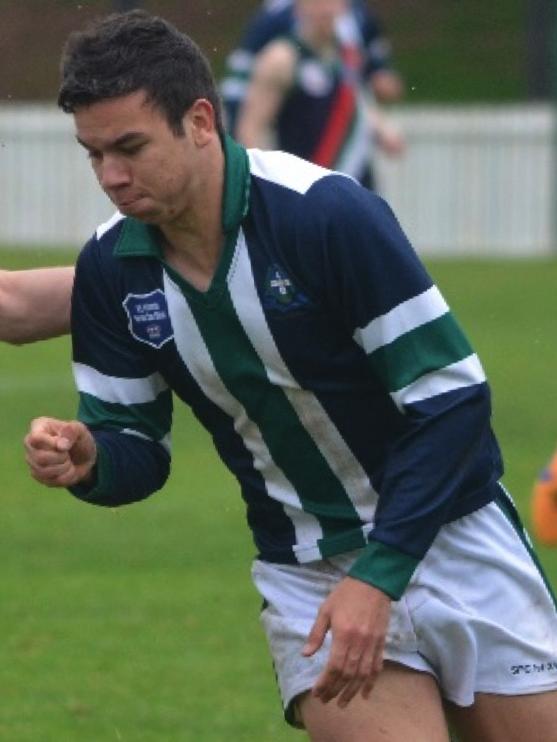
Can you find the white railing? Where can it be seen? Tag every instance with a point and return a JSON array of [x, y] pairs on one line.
[[474, 180], [48, 194]]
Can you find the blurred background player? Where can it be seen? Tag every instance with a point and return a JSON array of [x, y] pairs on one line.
[[544, 504], [359, 26], [307, 94]]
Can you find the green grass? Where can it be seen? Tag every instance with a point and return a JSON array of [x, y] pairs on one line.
[[141, 624]]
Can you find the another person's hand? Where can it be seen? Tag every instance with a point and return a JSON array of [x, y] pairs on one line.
[[60, 453], [358, 616], [391, 141], [388, 136]]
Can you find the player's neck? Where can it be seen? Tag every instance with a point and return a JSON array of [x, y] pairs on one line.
[[193, 242]]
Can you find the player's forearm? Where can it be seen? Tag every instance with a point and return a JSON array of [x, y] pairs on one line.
[[444, 466], [128, 469], [35, 304]]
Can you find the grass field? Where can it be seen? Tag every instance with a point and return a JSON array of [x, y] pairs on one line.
[[141, 624]]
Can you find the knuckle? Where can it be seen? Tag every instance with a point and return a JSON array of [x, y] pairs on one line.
[[347, 676]]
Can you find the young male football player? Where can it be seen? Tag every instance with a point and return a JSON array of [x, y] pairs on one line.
[[283, 303]]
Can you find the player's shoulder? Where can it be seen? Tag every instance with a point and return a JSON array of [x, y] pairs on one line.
[[98, 251], [284, 170], [106, 235], [338, 199], [267, 24], [324, 193], [280, 52]]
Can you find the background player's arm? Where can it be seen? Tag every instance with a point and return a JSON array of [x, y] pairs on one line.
[[387, 135], [272, 77], [35, 304]]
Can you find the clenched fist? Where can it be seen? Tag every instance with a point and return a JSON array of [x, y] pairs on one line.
[[60, 453]]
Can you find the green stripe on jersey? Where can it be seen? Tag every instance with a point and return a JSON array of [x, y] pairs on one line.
[[152, 419], [292, 449], [429, 347], [506, 505], [385, 568]]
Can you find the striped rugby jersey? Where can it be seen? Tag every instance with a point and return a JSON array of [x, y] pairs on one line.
[[324, 116], [334, 380]]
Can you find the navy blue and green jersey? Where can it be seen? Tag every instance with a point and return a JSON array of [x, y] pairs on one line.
[[333, 378], [358, 27]]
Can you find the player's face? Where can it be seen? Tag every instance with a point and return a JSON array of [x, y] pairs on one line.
[[146, 170], [320, 15]]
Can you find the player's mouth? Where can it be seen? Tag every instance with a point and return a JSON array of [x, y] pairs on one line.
[[127, 203]]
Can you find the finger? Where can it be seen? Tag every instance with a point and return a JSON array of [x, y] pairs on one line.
[[68, 435], [42, 424], [39, 441], [44, 457], [350, 691], [51, 473], [359, 664], [372, 672], [333, 677], [64, 478], [317, 634], [363, 676], [45, 426]]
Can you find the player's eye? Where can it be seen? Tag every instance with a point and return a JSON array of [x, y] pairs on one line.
[[131, 150]]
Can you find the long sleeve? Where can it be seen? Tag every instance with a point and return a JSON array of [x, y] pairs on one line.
[[122, 398], [444, 455]]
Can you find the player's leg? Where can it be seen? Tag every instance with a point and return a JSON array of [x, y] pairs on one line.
[[405, 695], [489, 625], [495, 718], [404, 705]]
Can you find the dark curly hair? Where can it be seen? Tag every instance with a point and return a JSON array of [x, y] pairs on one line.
[[126, 52]]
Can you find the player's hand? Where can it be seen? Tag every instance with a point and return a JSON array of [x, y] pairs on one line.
[[391, 141], [60, 453], [358, 616]]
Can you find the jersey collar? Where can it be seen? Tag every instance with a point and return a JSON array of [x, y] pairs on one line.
[[138, 239]]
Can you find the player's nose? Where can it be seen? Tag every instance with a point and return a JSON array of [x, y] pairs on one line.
[[113, 174]]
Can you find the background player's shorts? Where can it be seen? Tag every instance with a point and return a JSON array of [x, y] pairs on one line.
[[477, 614]]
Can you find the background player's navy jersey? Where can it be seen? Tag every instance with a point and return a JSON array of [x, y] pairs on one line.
[[275, 19]]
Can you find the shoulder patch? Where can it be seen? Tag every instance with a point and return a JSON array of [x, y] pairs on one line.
[[148, 319]]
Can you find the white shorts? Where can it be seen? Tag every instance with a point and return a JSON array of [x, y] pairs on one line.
[[477, 614]]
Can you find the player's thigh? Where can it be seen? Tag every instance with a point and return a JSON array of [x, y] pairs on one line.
[[496, 718], [404, 705]]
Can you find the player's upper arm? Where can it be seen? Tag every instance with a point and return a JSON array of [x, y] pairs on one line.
[[273, 75], [35, 304]]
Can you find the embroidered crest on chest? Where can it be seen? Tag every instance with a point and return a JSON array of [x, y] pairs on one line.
[[148, 319]]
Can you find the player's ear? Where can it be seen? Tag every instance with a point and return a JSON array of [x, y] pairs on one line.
[[199, 121]]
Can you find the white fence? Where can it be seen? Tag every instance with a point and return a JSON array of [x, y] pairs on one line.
[[473, 180], [48, 194]]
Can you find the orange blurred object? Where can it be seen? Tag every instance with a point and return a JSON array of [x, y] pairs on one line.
[[544, 505]]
